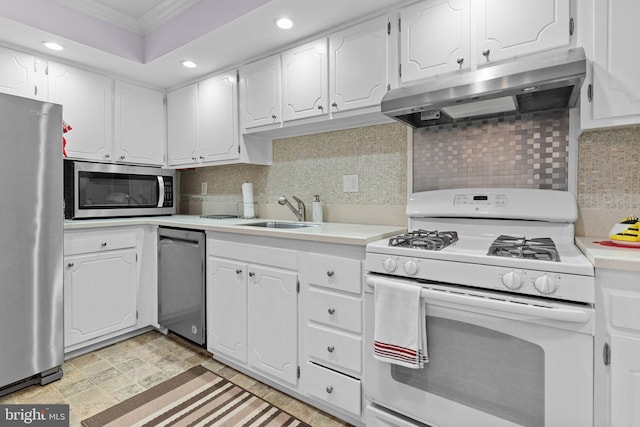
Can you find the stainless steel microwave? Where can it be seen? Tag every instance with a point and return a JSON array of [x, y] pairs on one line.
[[100, 190]]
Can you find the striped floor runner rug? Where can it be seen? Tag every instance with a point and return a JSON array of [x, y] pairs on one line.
[[197, 397]]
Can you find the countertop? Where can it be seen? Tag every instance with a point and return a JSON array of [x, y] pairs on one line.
[[349, 234], [608, 256]]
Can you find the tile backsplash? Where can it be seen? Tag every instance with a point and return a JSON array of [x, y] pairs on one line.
[[525, 151], [314, 164], [608, 178]]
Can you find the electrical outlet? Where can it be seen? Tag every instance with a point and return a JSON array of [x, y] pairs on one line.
[[203, 188], [350, 183]]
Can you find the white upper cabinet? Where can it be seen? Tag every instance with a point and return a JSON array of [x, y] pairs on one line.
[[203, 122], [181, 126], [358, 61], [612, 97], [139, 125], [435, 38], [509, 28], [218, 127], [305, 81], [260, 92], [87, 101], [22, 75], [440, 36]]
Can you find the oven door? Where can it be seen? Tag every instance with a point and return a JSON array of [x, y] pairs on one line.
[[495, 360]]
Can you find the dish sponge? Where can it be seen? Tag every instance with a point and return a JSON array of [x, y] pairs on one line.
[[631, 233]]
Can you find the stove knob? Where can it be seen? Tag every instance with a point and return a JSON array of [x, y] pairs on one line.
[[512, 280], [545, 285], [389, 265], [410, 267]]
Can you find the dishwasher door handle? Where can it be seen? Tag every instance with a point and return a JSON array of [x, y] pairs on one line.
[[185, 242]]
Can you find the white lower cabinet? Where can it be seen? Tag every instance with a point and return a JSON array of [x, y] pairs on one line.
[[252, 307], [617, 349], [332, 328], [106, 290]]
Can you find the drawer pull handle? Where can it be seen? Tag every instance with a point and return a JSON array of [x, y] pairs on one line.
[[329, 389], [70, 264], [330, 349], [238, 271], [251, 274], [331, 310], [330, 273], [103, 244]]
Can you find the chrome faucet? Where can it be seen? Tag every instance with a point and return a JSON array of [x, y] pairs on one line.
[[300, 212]]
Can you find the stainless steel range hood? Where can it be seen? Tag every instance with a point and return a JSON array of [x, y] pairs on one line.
[[544, 81]]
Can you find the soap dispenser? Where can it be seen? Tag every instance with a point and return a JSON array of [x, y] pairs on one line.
[[316, 209]]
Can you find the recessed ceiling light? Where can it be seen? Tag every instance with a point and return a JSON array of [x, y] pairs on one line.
[[284, 23], [52, 45], [188, 64]]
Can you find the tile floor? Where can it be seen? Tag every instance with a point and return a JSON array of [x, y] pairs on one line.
[[98, 380]]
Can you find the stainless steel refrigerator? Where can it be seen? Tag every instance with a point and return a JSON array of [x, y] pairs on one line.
[[31, 227]]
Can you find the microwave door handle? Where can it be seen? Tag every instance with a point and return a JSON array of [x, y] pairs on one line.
[[547, 313], [160, 191]]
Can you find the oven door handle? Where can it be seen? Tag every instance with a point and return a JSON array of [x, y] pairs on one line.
[[539, 312], [523, 309]]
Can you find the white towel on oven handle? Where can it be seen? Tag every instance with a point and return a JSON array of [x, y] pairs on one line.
[[400, 327]]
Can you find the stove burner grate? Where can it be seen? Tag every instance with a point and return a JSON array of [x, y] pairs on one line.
[[542, 248], [423, 239]]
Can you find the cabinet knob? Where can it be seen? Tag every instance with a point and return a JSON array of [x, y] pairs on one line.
[[273, 116], [70, 264], [331, 310], [486, 53], [330, 273], [330, 349], [460, 61], [334, 104], [238, 271], [329, 389], [251, 274], [107, 155], [193, 158], [320, 107], [201, 157], [103, 244], [122, 157]]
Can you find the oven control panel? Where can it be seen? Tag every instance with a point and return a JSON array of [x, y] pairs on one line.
[[546, 284], [481, 199]]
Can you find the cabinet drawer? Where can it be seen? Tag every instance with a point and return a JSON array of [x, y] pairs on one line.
[[265, 255], [334, 388], [74, 245], [334, 272], [336, 348], [340, 311]]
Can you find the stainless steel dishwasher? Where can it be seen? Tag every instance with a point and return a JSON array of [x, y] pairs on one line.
[[181, 276]]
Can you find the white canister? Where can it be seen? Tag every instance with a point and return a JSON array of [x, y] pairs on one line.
[[316, 209]]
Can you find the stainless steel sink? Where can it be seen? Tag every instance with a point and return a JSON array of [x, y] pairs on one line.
[[278, 224]]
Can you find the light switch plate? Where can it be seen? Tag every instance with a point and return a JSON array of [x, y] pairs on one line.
[[350, 183]]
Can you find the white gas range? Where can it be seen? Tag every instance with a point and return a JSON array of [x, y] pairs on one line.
[[500, 274]]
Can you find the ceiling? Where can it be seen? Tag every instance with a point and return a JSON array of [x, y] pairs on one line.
[[145, 40]]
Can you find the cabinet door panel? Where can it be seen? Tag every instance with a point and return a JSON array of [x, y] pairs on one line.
[[273, 330], [15, 73], [515, 27], [217, 120], [100, 295], [140, 125], [181, 126], [435, 35], [358, 59], [616, 80], [87, 104], [227, 308], [304, 76], [260, 92], [625, 381]]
